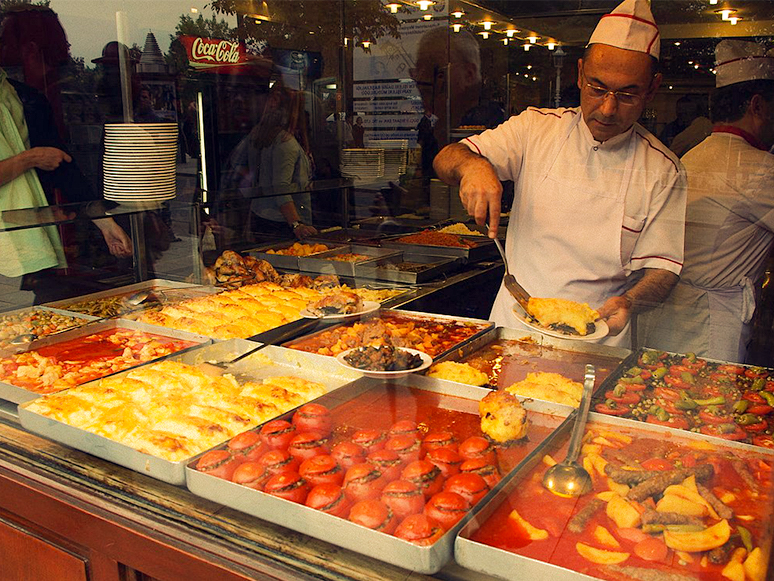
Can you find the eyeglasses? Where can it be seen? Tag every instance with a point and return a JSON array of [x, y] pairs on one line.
[[622, 97]]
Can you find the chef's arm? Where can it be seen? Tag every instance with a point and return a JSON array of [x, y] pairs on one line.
[[651, 289], [45, 158], [480, 188]]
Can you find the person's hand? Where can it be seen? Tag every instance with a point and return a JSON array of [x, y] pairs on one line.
[[481, 192], [616, 313], [47, 158], [213, 225], [304, 231], [118, 243]]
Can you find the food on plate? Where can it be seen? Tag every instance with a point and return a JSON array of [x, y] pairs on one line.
[[233, 270], [383, 480], [460, 228], [299, 249], [383, 358], [660, 508], [337, 303], [435, 238], [732, 402], [563, 315], [63, 365], [37, 322], [503, 419], [173, 410], [431, 336], [550, 387], [459, 372]]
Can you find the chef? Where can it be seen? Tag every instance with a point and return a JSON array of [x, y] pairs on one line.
[[599, 207], [730, 214]]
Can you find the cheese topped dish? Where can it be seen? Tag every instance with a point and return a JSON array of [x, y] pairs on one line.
[[563, 315], [459, 372], [172, 410], [549, 387]]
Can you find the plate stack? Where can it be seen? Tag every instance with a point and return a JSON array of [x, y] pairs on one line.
[[395, 156], [139, 162], [363, 165]]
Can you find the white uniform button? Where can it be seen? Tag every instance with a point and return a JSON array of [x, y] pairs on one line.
[[596, 148]]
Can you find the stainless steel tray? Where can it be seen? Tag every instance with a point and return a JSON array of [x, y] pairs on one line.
[[282, 260], [325, 264], [436, 266], [341, 532], [304, 365], [490, 560], [18, 395], [483, 249], [29, 310], [538, 352], [147, 285], [485, 326]]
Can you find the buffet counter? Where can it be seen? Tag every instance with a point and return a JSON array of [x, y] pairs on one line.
[[105, 519]]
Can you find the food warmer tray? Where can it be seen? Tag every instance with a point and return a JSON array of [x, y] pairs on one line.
[[546, 354], [486, 326], [19, 395], [289, 262], [483, 249], [324, 263], [156, 284], [633, 359], [395, 225], [28, 310], [436, 266], [500, 563], [347, 235], [317, 368], [341, 532]]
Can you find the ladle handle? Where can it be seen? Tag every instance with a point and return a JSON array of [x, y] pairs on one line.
[[583, 413]]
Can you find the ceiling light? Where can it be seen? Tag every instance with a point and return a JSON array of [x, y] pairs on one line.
[[725, 13], [366, 44], [696, 66], [393, 6], [529, 67], [526, 46], [194, 10], [670, 87], [428, 17], [458, 14], [534, 78], [551, 45], [487, 24], [532, 39], [510, 32], [505, 41], [713, 2], [456, 27], [424, 4], [734, 19], [485, 34], [677, 43], [257, 10], [690, 62]]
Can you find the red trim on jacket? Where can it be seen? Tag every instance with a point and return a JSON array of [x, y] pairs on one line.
[[657, 149], [748, 137], [656, 256]]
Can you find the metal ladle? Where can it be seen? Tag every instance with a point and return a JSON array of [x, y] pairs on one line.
[[23, 339], [135, 299], [568, 478]]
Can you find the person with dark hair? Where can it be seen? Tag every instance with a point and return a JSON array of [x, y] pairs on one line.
[[599, 202], [687, 109], [730, 214]]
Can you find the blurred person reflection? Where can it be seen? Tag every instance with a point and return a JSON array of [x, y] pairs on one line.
[[280, 163], [358, 133], [687, 109]]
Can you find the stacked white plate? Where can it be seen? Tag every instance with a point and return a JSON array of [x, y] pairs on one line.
[[364, 165], [395, 156], [140, 160]]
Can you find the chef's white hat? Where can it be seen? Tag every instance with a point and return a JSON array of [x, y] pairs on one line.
[[630, 26], [737, 61]]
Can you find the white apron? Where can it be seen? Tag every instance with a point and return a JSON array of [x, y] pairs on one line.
[[569, 240]]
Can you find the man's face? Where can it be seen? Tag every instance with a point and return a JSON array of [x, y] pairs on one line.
[[607, 70]]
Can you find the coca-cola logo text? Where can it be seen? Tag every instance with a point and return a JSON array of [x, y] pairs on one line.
[[219, 51]]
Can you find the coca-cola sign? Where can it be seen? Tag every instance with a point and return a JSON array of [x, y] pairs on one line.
[[223, 56]]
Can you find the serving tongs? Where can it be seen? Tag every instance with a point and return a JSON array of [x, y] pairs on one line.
[[517, 291]]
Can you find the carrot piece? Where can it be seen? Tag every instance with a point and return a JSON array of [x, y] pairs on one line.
[[651, 549]]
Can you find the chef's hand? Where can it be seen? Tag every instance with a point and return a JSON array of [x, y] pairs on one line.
[[119, 244], [480, 189], [616, 313], [304, 231]]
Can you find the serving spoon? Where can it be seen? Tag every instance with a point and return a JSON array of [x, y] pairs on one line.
[[568, 478], [517, 291]]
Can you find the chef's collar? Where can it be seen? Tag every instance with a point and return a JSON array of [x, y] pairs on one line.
[[746, 135], [608, 144]]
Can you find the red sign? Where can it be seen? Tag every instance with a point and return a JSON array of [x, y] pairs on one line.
[[223, 56]]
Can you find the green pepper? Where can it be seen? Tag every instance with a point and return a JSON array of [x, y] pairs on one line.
[[769, 397], [758, 384], [662, 415], [746, 537], [713, 401], [726, 428], [691, 357], [660, 372], [629, 380], [748, 419], [634, 371], [619, 390], [611, 404], [653, 409], [687, 377], [659, 528], [741, 406], [685, 402], [650, 357]]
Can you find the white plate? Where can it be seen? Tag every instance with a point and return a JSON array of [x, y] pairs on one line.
[[368, 307], [601, 328], [426, 362]]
